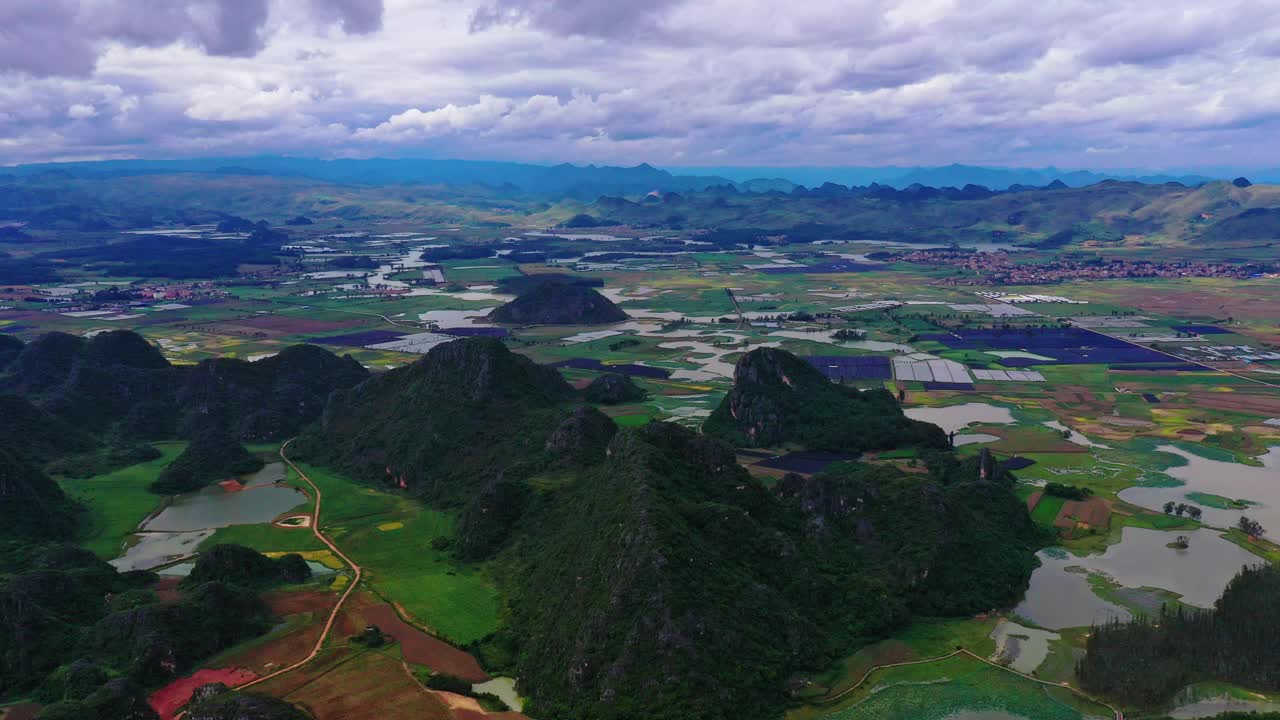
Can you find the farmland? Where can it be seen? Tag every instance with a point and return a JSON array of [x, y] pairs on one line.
[[1130, 390]]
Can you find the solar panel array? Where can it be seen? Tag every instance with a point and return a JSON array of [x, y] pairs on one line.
[[1067, 346], [1008, 375], [943, 371], [860, 367]]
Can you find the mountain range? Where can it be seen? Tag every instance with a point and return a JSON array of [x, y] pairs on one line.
[[591, 180]]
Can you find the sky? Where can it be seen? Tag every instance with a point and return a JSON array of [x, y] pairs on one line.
[[1073, 83]]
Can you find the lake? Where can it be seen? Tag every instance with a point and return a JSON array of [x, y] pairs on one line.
[[1228, 479], [1060, 598]]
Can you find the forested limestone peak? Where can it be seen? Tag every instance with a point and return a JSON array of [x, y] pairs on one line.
[[557, 303], [778, 397]]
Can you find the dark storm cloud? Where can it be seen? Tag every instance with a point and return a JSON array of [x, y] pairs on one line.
[[574, 17], [65, 37]]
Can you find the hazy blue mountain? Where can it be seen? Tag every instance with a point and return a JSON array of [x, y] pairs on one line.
[[958, 176], [589, 181]]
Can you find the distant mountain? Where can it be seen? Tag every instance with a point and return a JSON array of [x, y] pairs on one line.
[[587, 181], [559, 304], [994, 178]]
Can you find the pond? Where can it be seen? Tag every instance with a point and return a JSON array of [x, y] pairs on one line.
[[973, 439], [957, 417], [1060, 595], [184, 569], [1233, 480], [1022, 648], [213, 507], [193, 517], [154, 549]]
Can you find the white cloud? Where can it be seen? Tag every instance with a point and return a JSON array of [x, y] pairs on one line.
[[81, 111]]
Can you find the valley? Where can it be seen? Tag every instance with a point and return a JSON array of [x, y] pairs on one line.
[[540, 448]]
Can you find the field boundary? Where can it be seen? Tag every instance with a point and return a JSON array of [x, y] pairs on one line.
[[1118, 715]]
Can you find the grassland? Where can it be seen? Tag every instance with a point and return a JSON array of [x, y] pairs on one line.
[[390, 536], [939, 690], [118, 502]]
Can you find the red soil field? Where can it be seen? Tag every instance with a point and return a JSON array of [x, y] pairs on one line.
[[1034, 499], [420, 648], [25, 711], [166, 590], [169, 699], [1095, 512], [290, 603]]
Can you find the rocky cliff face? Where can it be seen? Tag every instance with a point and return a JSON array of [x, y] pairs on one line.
[[559, 304], [779, 398]]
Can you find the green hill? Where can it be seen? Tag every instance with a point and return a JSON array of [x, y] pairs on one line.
[[118, 383], [778, 398], [468, 411], [556, 303], [667, 582], [32, 506]]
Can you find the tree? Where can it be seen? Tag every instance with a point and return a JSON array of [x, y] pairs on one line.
[[1179, 509], [1194, 512], [1168, 508], [1182, 542], [1252, 528]]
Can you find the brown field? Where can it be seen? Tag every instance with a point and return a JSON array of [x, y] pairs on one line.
[[1094, 513], [166, 589], [280, 652], [284, 603], [25, 711], [420, 648], [1268, 405], [1034, 499], [347, 685]]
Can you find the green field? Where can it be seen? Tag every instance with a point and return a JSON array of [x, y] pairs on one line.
[[118, 502], [941, 690], [458, 602], [1046, 511]]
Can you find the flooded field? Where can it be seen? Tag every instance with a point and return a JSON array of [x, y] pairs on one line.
[[958, 417], [1260, 485], [1060, 595]]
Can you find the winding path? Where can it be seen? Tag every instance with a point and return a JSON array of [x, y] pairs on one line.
[[337, 608]]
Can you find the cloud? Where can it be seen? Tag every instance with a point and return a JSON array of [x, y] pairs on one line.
[[574, 17], [66, 37], [81, 111], [859, 82]]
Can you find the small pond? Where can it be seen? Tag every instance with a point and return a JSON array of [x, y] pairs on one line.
[[957, 417], [193, 517]]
